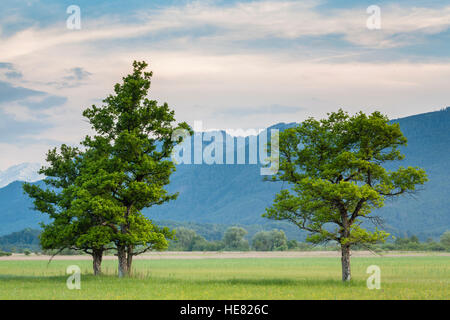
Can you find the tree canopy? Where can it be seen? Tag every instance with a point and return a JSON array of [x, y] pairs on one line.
[[130, 162], [72, 225], [334, 170], [96, 192]]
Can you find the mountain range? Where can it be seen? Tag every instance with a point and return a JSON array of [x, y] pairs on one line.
[[237, 194]]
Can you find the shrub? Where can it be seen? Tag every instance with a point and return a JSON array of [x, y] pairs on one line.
[[5, 254]]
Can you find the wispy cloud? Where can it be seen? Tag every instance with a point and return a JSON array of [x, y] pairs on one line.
[[266, 110], [250, 64], [244, 21], [10, 93], [45, 103], [77, 74], [10, 71], [75, 77]]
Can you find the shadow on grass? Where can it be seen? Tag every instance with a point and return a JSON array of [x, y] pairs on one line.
[[33, 278], [263, 282], [52, 278], [284, 282]]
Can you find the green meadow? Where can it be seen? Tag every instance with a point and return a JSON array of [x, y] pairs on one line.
[[426, 277]]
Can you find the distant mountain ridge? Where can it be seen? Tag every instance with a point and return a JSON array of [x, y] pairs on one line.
[[237, 194]]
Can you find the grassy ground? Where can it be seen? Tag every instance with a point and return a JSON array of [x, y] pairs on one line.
[[273, 278]]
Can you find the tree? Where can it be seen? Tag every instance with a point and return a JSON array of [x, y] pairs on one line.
[[279, 240], [274, 240], [130, 153], [73, 225], [187, 240], [445, 239], [293, 244], [234, 239], [334, 171], [262, 241]]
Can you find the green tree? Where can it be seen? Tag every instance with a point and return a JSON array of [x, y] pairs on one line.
[[402, 242], [233, 239], [445, 239], [293, 244], [279, 240], [130, 154], [184, 239], [71, 226], [270, 241], [262, 241], [414, 239], [5, 254], [188, 240], [335, 174]]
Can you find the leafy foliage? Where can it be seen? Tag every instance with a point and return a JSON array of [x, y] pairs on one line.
[[445, 239], [71, 226], [274, 240], [129, 164], [233, 239], [336, 178]]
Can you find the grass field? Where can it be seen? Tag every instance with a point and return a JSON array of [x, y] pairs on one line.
[[425, 277]]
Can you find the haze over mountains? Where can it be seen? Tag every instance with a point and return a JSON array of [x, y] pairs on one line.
[[237, 194]]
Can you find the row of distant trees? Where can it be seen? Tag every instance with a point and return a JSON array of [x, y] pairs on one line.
[[234, 240], [276, 240]]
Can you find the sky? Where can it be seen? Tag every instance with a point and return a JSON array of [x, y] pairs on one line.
[[230, 64]]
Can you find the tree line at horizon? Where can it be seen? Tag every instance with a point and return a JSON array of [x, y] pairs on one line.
[[27, 242], [332, 168]]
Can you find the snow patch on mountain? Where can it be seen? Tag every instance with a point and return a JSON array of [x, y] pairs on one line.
[[22, 172]]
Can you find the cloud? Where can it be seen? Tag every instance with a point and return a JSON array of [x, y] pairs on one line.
[[243, 21], [6, 65], [73, 79], [10, 93], [11, 73], [249, 63], [13, 131], [14, 75], [274, 109], [45, 103], [77, 74]]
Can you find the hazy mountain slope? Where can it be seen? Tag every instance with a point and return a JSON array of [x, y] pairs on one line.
[[237, 194], [16, 213], [428, 212], [228, 194]]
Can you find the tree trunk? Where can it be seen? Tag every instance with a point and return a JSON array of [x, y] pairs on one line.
[[123, 261], [129, 258], [123, 250], [345, 259], [97, 256]]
